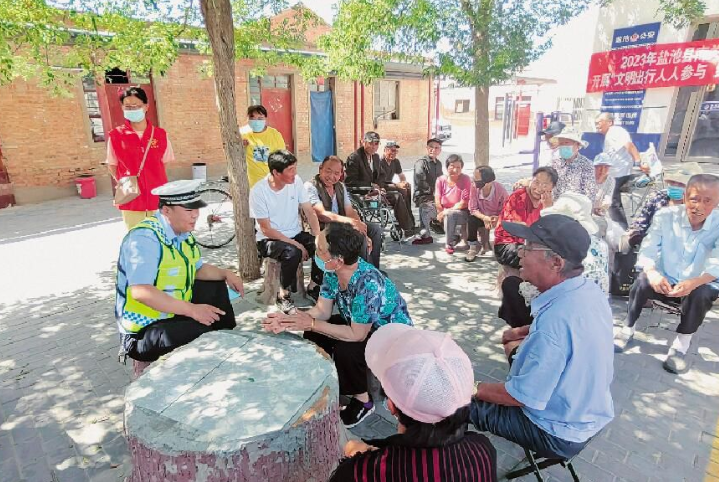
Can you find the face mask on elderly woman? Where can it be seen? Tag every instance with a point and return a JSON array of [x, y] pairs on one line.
[[675, 193]]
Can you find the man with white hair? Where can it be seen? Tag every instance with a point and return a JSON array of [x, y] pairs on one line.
[[557, 394], [680, 262], [624, 154]]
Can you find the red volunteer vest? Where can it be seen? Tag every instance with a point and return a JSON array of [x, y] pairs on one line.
[[129, 150]]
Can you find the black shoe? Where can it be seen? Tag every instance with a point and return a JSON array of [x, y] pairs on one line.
[[436, 227], [355, 412], [286, 305], [314, 292]]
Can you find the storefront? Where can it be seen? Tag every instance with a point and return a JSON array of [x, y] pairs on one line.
[[658, 81]]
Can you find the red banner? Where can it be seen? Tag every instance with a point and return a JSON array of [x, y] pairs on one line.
[[652, 66]]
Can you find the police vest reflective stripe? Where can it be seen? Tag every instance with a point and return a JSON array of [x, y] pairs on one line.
[[175, 276]]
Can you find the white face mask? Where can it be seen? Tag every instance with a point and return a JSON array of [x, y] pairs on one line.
[[134, 115]]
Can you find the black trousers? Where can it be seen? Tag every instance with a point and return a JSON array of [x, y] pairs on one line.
[[289, 257], [163, 336], [348, 357], [694, 307], [513, 309], [507, 254], [616, 210], [401, 201], [473, 225]]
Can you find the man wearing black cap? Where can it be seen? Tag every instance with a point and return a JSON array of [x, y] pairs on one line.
[[557, 394], [426, 172], [363, 164], [399, 194], [166, 295]]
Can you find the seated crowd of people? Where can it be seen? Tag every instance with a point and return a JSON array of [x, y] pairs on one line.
[[551, 246]]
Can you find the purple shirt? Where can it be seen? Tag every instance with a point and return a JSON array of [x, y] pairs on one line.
[[451, 195], [490, 205]]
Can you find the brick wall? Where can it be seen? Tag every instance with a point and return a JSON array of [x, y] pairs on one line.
[[47, 142]]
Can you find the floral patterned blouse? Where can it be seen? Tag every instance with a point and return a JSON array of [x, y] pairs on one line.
[[596, 264], [641, 223], [370, 297]]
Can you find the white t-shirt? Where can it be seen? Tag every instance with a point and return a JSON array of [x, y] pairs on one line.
[[615, 142], [280, 207]]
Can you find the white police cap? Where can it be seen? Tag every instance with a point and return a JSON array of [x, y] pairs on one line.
[[183, 193]]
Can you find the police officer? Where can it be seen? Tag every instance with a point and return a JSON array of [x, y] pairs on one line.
[[166, 295]]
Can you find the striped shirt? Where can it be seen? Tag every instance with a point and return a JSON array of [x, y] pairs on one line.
[[472, 459]]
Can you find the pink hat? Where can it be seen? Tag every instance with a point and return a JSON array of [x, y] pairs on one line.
[[425, 373]]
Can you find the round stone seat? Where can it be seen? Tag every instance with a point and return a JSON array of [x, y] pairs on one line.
[[235, 406]]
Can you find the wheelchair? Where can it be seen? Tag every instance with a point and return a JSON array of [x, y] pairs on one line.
[[373, 206]]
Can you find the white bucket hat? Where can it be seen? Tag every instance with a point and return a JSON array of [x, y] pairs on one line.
[[576, 206], [681, 173], [573, 135]]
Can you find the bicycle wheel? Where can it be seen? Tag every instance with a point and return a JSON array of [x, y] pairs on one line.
[[216, 225]]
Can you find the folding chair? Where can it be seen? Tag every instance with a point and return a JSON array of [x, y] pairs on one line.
[[536, 464]]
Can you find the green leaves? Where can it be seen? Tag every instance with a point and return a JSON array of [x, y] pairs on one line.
[[59, 41], [477, 42]]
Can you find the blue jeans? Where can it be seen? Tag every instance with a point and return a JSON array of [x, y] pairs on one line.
[[512, 424]]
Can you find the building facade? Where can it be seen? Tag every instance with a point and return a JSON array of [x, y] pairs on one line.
[[682, 121], [46, 142]]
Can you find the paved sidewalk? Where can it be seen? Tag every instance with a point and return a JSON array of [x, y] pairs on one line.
[[61, 387]]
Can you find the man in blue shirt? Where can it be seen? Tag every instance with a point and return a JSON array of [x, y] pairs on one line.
[[557, 394], [166, 296], [680, 262]]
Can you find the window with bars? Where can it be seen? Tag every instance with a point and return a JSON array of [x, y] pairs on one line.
[[386, 99], [461, 105], [318, 85], [267, 82], [92, 104]]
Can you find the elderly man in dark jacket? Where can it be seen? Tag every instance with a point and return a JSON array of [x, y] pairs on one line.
[[363, 164], [426, 172]]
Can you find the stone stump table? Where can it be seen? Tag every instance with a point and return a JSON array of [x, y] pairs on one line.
[[234, 406]]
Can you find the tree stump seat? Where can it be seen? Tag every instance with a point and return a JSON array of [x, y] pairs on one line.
[[233, 406], [267, 294]]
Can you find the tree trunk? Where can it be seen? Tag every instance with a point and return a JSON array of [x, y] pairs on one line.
[[218, 21], [481, 126]]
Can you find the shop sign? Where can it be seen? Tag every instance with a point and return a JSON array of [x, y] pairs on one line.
[[635, 35], [653, 66]]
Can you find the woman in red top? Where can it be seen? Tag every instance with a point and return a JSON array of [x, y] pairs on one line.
[[522, 206], [126, 146]]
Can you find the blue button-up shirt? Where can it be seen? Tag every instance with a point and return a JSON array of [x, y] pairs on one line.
[[678, 252], [563, 369], [140, 257]]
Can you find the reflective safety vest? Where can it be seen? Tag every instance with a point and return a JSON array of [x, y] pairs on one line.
[[175, 276]]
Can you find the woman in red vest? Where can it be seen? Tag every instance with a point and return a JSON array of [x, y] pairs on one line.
[[126, 148]]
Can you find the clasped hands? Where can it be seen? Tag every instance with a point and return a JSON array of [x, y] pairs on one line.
[[279, 322]]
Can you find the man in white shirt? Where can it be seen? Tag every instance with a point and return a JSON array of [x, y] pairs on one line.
[[624, 154], [680, 262], [274, 204]]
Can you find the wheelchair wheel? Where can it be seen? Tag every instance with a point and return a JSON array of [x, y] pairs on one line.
[[395, 232], [215, 226]]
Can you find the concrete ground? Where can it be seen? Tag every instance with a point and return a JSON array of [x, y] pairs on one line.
[[61, 387]]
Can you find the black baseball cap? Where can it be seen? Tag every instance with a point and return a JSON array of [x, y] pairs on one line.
[[371, 136], [562, 234], [554, 128], [434, 139]]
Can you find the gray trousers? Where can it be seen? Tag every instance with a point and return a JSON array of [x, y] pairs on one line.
[[452, 219], [427, 212]]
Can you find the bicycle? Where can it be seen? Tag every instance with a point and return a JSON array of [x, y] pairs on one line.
[[215, 226]]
